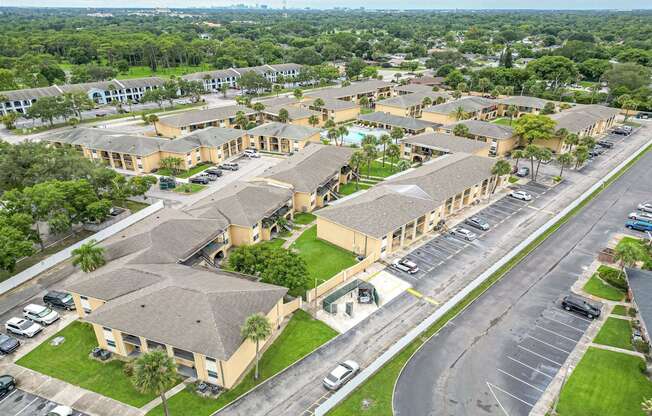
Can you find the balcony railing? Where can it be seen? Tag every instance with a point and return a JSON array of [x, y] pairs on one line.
[[131, 339], [327, 187], [271, 220]]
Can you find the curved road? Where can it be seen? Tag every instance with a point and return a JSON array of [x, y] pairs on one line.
[[497, 357]]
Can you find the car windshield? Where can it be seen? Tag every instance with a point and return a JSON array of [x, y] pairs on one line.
[[45, 312], [4, 338], [67, 298], [332, 378]]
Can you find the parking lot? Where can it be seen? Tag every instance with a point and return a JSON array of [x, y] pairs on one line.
[[20, 403], [523, 373], [445, 247]]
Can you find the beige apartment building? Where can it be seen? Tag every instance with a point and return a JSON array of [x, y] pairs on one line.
[[409, 105], [184, 123], [501, 139], [275, 137], [474, 108], [389, 121], [425, 146]]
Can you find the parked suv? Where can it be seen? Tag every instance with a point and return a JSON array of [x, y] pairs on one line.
[[638, 225], [251, 153], [39, 313], [202, 180], [22, 326], [8, 344], [477, 222], [7, 384], [229, 166], [605, 143], [214, 171], [63, 300], [406, 266], [464, 233], [577, 304]]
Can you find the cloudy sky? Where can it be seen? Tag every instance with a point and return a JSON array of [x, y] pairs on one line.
[[417, 4]]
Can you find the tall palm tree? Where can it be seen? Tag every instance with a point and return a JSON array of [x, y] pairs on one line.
[[511, 112], [341, 132], [459, 113], [518, 155], [627, 254], [155, 373], [545, 155], [426, 102], [298, 94], [153, 119], [329, 124], [241, 120], [256, 328], [531, 152], [224, 89], [332, 134], [277, 89], [369, 139], [370, 154], [385, 140], [283, 115], [572, 139], [357, 158], [564, 159], [393, 154], [500, 168], [259, 107], [89, 256], [397, 134], [313, 120]]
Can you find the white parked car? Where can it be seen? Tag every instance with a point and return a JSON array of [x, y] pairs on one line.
[[21, 326], [60, 411], [251, 153], [341, 375], [468, 235], [645, 207], [640, 216], [39, 313], [522, 195], [406, 266]]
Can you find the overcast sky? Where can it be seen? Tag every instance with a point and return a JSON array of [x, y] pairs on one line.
[[414, 4]]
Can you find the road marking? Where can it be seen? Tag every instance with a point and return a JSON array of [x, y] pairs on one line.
[[7, 396], [539, 355], [550, 345], [28, 405], [540, 210], [510, 395], [531, 368], [563, 323], [574, 316], [496, 399], [558, 335], [518, 379], [414, 293]]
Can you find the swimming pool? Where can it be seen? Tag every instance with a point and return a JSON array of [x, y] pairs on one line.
[[357, 133]]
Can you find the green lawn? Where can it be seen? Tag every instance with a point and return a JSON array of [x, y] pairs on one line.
[[301, 336], [35, 258], [188, 188], [513, 179], [304, 218], [598, 288], [365, 110], [377, 169], [621, 310], [134, 206], [70, 362], [349, 188], [274, 243], [616, 333], [324, 259], [605, 383], [185, 174], [503, 121]]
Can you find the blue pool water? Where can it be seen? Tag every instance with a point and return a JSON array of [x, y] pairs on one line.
[[357, 133]]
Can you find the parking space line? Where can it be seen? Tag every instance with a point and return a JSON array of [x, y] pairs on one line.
[[510, 395], [414, 293], [527, 366], [539, 355], [563, 323], [588, 321], [556, 334], [496, 399], [28, 405], [7, 396], [550, 345], [518, 379]]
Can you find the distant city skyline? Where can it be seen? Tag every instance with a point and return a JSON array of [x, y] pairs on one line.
[[321, 4]]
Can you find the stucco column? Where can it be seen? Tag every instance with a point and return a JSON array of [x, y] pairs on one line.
[[414, 229], [402, 235]]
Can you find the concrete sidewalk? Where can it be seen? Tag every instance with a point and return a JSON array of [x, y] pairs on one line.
[[67, 394]]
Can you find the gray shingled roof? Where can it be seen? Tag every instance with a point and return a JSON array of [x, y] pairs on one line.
[[397, 121], [484, 129], [294, 112], [524, 101], [409, 100], [640, 283], [310, 167], [469, 104], [353, 89], [214, 136], [111, 141], [412, 88], [193, 309], [29, 94], [581, 117], [56, 90], [188, 118], [217, 74], [283, 130], [404, 197], [447, 143], [333, 104], [242, 203]]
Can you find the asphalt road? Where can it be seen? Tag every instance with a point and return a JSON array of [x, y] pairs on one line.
[[22, 403], [482, 362]]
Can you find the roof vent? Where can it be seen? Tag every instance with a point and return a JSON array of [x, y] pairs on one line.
[[142, 305], [198, 321]]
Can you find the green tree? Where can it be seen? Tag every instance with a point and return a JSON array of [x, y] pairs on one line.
[[47, 109], [357, 159], [255, 329], [15, 239], [89, 257], [402, 165], [224, 88], [461, 130], [298, 94], [354, 68], [581, 154], [532, 152], [9, 120], [370, 154], [287, 269], [459, 113], [533, 127], [397, 134], [545, 155], [98, 211], [500, 168], [548, 108], [556, 70], [385, 140], [511, 112], [313, 120], [153, 119], [627, 253], [172, 163], [155, 373], [259, 108], [564, 159], [241, 120], [276, 88], [283, 115], [393, 154], [518, 155], [342, 131]]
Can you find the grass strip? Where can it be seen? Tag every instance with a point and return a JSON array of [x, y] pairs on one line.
[[378, 389]]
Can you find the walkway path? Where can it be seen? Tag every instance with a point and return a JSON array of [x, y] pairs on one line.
[[616, 349], [296, 234], [174, 390]]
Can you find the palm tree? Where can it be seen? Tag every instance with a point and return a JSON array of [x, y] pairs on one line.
[[461, 130], [241, 120], [402, 165], [647, 407], [369, 139], [398, 76], [393, 154], [370, 154], [500, 168], [89, 256], [259, 107], [155, 373], [283, 115], [426, 102], [397, 134], [518, 154], [564, 159], [364, 101], [581, 153], [277, 89], [459, 113], [572, 139], [298, 94], [457, 94], [256, 328], [224, 89], [511, 112], [341, 132], [332, 134], [313, 120], [385, 140], [545, 155], [329, 124], [532, 152], [153, 119], [318, 103], [357, 158], [627, 253]]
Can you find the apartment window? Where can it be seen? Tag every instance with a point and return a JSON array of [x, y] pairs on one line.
[[212, 374], [86, 305], [256, 237], [110, 343]]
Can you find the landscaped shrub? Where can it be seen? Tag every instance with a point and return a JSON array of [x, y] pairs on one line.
[[613, 276], [642, 346]]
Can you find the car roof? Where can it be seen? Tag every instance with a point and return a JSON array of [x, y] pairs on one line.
[[15, 321], [33, 307], [339, 371]]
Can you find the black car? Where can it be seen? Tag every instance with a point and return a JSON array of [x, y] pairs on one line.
[[200, 180], [60, 300], [207, 176], [606, 144], [8, 344], [214, 171], [478, 223], [7, 385], [579, 305], [621, 131]]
